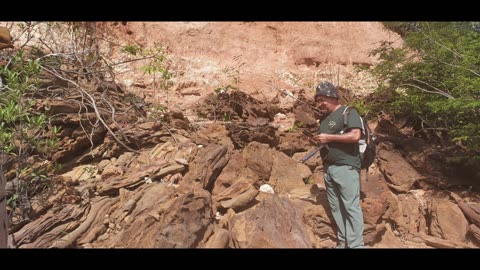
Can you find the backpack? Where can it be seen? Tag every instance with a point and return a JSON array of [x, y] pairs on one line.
[[367, 141]]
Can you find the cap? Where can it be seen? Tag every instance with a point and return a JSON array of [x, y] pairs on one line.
[[326, 89]]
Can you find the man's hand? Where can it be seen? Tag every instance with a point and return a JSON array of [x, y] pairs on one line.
[[321, 138], [350, 137]]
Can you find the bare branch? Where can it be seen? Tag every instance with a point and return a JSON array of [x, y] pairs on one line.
[[163, 124], [427, 91], [93, 103], [132, 60], [439, 90], [460, 67]]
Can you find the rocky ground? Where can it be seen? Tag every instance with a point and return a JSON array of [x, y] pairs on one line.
[[234, 183], [221, 169]]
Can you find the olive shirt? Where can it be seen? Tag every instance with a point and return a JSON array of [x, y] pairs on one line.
[[340, 153]]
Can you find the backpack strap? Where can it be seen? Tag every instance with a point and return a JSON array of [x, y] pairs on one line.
[[345, 114], [366, 130]]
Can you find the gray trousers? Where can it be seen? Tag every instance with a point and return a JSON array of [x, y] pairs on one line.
[[343, 193]]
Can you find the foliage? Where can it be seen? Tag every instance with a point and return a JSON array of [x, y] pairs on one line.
[[361, 105], [309, 181], [433, 79], [158, 65], [233, 76], [23, 131], [227, 116], [67, 53], [296, 127]]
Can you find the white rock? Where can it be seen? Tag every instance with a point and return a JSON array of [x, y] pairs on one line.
[[280, 116], [181, 161], [218, 216], [148, 180], [267, 189]]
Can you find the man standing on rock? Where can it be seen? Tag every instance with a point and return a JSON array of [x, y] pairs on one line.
[[341, 165]]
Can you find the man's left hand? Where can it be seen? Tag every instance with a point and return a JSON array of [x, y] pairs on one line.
[[322, 138]]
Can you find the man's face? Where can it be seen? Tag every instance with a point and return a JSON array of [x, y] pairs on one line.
[[320, 102], [321, 105]]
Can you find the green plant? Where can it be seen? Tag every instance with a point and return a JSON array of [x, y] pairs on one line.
[[57, 167], [131, 49], [434, 79], [156, 111], [361, 105], [158, 65], [12, 201], [24, 130], [56, 129], [232, 73], [296, 127], [309, 180], [90, 170], [20, 121], [36, 175], [226, 117]]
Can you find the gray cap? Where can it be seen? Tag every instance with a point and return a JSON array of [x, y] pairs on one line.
[[326, 89]]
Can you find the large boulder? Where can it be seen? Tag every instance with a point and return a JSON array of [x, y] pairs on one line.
[[166, 218], [287, 174], [447, 220], [400, 174], [253, 164], [207, 165], [273, 223]]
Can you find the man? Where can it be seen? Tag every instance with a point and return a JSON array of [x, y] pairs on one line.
[[341, 165]]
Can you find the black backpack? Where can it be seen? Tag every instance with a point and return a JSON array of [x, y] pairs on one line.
[[367, 141]]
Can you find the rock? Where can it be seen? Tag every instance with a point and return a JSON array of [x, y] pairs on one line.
[[318, 218], [241, 201], [111, 170], [82, 173], [293, 142], [475, 232], [181, 161], [246, 167], [273, 223], [471, 210], [447, 220], [213, 133], [287, 174], [412, 208], [389, 240], [266, 188], [304, 115], [165, 217], [400, 174], [5, 38], [207, 165], [220, 239]]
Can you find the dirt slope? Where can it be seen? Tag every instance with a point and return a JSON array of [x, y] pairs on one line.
[[290, 55]]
